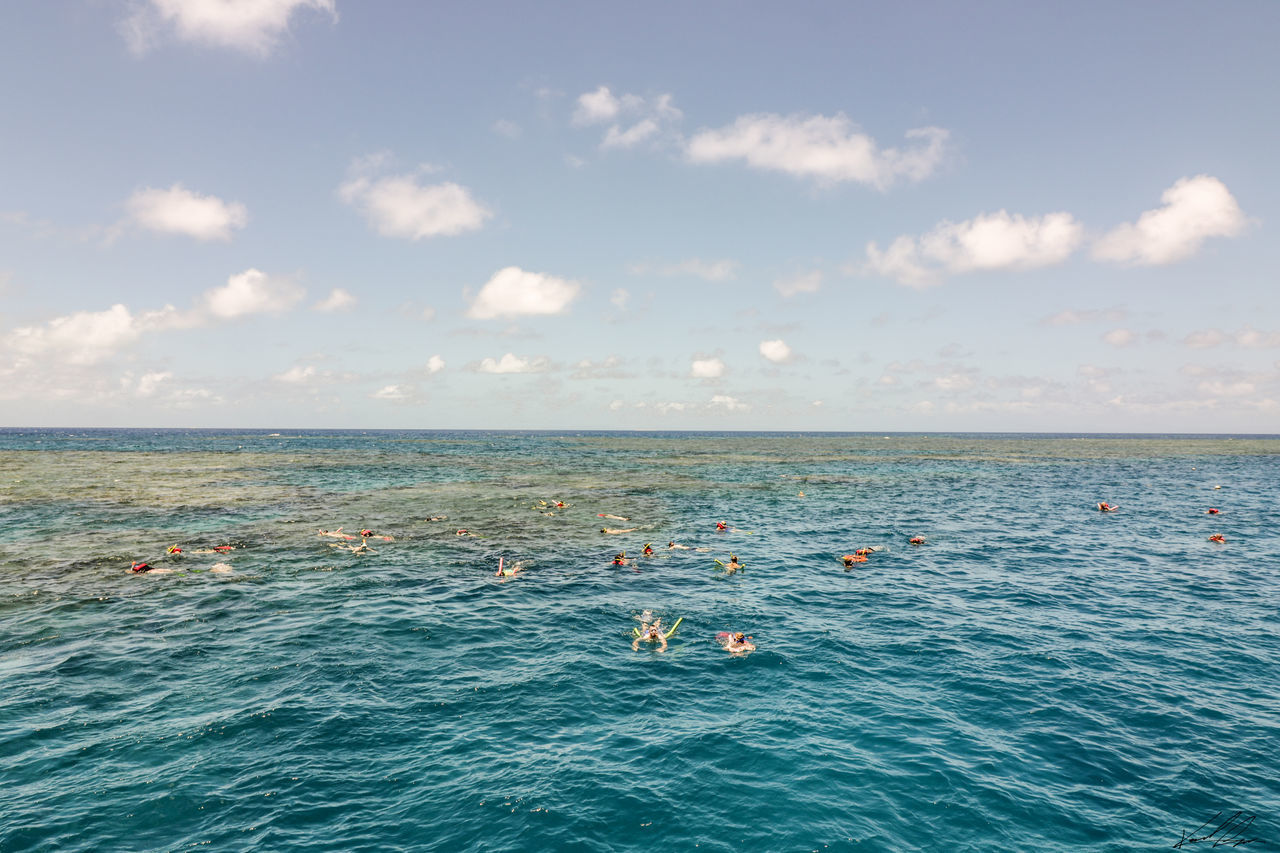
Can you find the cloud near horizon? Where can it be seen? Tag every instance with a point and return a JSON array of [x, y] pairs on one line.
[[512, 363], [829, 149]]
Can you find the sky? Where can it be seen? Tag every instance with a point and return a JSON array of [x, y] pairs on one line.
[[928, 216]]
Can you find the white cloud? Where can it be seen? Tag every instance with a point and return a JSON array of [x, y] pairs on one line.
[[706, 368], [828, 149], [511, 363], [509, 129], [721, 270], [1205, 339], [1194, 210], [1255, 339], [776, 351], [296, 375], [252, 292], [953, 382], [649, 116], [435, 364], [810, 282], [337, 300], [1218, 388], [428, 314], [1120, 337], [399, 206], [254, 26], [88, 337], [729, 403], [512, 292], [997, 241], [395, 393], [151, 382], [178, 210], [619, 298], [596, 107]]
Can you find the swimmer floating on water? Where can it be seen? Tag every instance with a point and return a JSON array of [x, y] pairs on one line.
[[1212, 511], [1217, 537], [619, 529], [650, 632], [508, 571], [369, 534], [1106, 507], [336, 534], [916, 540], [647, 550], [672, 546], [737, 644], [614, 517], [730, 567], [620, 559]]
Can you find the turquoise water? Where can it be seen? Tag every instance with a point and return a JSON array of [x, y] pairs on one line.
[[1037, 676]]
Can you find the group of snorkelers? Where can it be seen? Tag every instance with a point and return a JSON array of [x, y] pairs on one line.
[[1103, 506], [652, 630]]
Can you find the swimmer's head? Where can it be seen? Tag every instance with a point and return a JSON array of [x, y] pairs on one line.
[[739, 637]]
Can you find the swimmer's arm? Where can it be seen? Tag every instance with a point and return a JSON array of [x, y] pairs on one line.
[[663, 641], [635, 644]]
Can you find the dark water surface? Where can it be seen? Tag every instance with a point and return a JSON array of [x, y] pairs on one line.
[[1038, 676]]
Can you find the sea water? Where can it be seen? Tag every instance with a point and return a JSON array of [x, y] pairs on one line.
[[1037, 676]]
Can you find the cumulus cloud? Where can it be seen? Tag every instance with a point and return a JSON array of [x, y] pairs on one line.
[[996, 241], [1194, 210], [252, 292], [337, 300], [296, 375], [1120, 337], [727, 402], [706, 368], [721, 270], [645, 118], [596, 107], [178, 210], [1218, 388], [810, 282], [1246, 338], [88, 337], [511, 363], [400, 206], [150, 383], [827, 149], [620, 298], [394, 393], [513, 292], [776, 351], [435, 364], [254, 26]]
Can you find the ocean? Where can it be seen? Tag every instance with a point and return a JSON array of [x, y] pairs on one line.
[[1038, 675]]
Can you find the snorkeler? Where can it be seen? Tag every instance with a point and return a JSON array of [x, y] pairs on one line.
[[336, 534], [619, 529], [738, 643], [916, 540], [1211, 511], [369, 534], [733, 565], [615, 517], [1217, 537], [720, 525], [850, 559], [1106, 507], [438, 518], [620, 559], [175, 550], [647, 550], [462, 531], [650, 633], [672, 546], [508, 571], [362, 548]]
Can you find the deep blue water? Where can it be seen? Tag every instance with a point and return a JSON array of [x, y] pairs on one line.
[[1037, 676]]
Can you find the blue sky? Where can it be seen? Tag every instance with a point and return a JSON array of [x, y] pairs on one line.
[[715, 215]]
